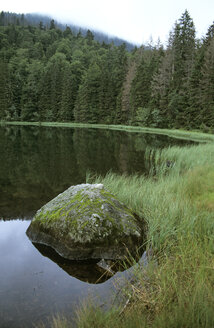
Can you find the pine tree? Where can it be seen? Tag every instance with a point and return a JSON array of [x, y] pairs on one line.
[[4, 90], [31, 92], [89, 37], [2, 18], [209, 34], [183, 46], [51, 86], [52, 24], [160, 87], [207, 86], [194, 113], [87, 104], [17, 75], [124, 113], [183, 53], [71, 81], [142, 87]]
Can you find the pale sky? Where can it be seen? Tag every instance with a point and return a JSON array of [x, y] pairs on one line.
[[132, 20]]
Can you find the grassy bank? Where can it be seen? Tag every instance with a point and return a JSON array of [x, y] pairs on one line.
[[181, 134], [178, 205]]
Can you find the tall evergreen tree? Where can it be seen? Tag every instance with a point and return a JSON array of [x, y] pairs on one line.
[[183, 46], [31, 92], [87, 104], [207, 86], [71, 81], [4, 90], [142, 86], [170, 86], [194, 111], [52, 83]]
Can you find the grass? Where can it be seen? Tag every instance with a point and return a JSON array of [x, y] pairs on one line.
[[178, 206], [176, 288], [200, 187], [180, 134]]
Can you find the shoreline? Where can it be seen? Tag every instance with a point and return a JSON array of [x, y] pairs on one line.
[[174, 133]]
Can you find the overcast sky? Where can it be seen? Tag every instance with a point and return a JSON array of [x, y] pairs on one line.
[[132, 20]]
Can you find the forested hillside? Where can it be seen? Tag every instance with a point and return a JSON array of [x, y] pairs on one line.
[[38, 19], [50, 74]]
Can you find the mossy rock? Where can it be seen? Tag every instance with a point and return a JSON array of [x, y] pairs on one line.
[[86, 222]]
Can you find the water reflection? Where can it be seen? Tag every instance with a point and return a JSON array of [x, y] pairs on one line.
[[38, 163], [33, 287], [87, 271]]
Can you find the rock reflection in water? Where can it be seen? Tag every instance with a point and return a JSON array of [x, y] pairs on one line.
[[87, 271]]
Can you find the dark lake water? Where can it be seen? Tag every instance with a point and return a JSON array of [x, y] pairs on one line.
[[36, 164]]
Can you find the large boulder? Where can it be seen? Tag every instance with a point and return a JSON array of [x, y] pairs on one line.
[[86, 222]]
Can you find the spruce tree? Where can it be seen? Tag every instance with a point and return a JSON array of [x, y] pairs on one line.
[[87, 104], [31, 92], [142, 87], [4, 91], [183, 53], [207, 86], [71, 81]]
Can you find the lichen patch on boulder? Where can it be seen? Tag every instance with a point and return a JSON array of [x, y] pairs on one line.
[[86, 221]]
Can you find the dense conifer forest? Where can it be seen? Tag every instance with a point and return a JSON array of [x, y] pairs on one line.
[[48, 73]]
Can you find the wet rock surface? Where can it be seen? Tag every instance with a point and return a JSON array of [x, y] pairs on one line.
[[87, 222]]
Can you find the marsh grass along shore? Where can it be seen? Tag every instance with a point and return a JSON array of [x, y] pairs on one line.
[[178, 206]]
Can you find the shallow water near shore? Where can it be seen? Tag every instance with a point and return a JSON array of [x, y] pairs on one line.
[[36, 164], [32, 286]]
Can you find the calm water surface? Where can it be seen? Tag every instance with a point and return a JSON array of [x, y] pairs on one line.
[[36, 164]]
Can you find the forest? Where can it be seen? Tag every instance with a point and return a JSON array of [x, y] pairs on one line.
[[60, 75]]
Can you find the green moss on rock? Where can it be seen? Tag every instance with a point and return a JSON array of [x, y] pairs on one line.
[[85, 216]]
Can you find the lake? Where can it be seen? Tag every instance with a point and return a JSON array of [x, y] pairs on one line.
[[36, 164]]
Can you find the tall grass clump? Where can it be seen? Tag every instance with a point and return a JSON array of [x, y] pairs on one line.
[[177, 203]]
